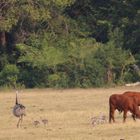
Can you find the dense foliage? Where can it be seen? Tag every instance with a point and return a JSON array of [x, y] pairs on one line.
[[69, 43]]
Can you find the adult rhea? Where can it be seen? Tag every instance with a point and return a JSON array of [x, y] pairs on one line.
[[18, 111]]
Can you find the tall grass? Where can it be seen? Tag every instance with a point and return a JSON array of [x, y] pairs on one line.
[[69, 114]]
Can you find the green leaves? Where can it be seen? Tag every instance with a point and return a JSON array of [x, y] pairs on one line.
[[14, 11], [68, 43], [63, 2], [8, 15], [47, 56], [9, 75]]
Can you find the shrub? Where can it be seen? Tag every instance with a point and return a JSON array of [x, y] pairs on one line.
[[58, 80], [9, 75]]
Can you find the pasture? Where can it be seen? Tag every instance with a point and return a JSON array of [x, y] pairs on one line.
[[69, 114]]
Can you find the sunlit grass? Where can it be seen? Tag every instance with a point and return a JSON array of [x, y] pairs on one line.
[[69, 115]]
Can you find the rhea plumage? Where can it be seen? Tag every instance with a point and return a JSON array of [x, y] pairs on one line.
[[19, 111]]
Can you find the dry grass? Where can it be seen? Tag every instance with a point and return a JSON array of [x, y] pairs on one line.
[[69, 114]]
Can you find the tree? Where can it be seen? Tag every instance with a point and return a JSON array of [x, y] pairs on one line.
[[100, 17], [22, 17]]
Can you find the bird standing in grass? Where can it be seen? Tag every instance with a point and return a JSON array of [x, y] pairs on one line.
[[45, 122], [36, 123], [18, 111]]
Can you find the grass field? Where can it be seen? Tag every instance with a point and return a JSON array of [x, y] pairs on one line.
[[69, 114]]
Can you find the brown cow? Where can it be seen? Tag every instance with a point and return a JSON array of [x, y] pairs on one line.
[[133, 94], [123, 103]]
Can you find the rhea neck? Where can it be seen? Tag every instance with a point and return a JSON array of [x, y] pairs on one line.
[[17, 97]]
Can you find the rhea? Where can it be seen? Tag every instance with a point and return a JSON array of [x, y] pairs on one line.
[[18, 111]]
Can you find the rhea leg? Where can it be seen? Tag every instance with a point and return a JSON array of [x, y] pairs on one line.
[[19, 122]]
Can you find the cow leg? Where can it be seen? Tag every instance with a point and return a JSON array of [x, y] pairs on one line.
[[110, 117], [111, 114], [135, 112], [134, 117], [124, 115]]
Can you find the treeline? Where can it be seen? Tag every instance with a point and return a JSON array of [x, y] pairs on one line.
[[69, 43]]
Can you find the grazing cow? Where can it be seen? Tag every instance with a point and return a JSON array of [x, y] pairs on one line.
[[123, 103], [133, 94]]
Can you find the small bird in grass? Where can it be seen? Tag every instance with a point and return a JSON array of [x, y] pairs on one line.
[[45, 122], [94, 121], [102, 119], [19, 111], [36, 123]]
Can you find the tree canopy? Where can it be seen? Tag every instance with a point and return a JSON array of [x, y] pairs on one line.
[[69, 43]]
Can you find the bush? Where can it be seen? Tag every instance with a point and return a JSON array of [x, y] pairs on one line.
[[131, 76], [58, 80], [9, 75]]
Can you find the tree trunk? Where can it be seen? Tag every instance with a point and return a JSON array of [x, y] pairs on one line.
[[122, 73], [109, 75], [3, 38]]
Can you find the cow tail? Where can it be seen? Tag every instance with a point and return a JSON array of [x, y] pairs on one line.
[[109, 111]]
